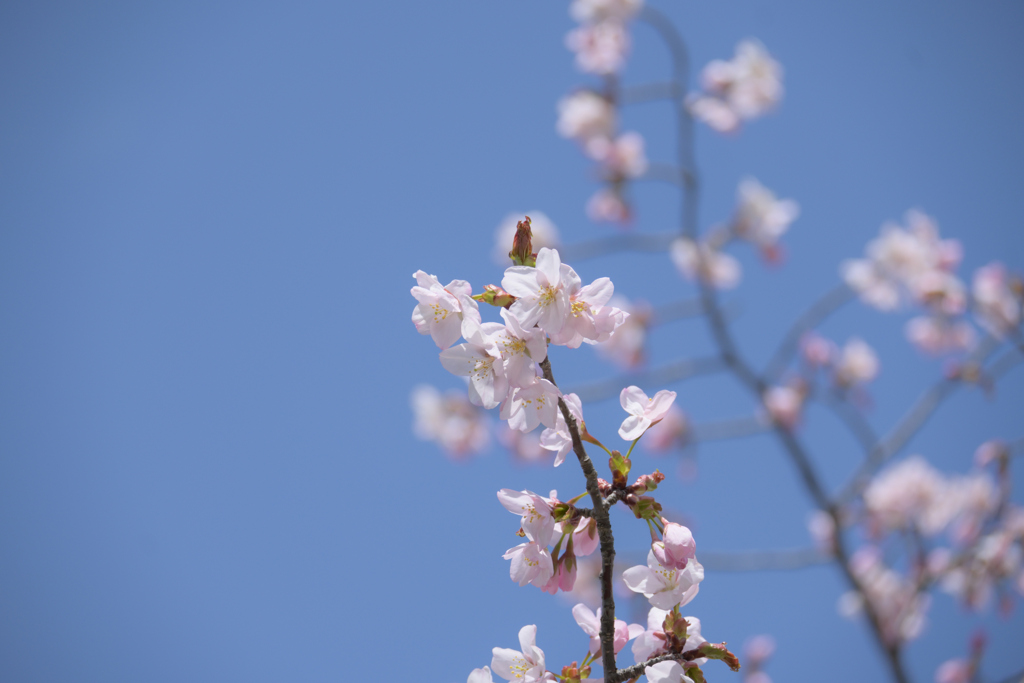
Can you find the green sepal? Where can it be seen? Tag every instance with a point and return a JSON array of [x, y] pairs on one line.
[[719, 651]]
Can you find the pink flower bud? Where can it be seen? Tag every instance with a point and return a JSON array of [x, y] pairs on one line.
[[677, 548]]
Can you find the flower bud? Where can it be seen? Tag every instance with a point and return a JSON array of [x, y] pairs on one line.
[[495, 296], [522, 245], [677, 547]]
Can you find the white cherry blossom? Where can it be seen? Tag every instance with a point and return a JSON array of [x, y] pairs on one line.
[[537, 522], [589, 319], [542, 293], [531, 405], [643, 411], [760, 217], [480, 360], [857, 363], [598, 10], [531, 563], [600, 48], [583, 116], [482, 675], [711, 266], [995, 304], [525, 665], [590, 622], [665, 588], [450, 419], [667, 672], [441, 310], [558, 438]]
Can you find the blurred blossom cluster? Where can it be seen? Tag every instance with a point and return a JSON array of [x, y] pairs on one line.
[[743, 88]]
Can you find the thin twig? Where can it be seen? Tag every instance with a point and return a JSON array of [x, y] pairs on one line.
[[665, 374], [650, 92], [634, 241], [832, 301]]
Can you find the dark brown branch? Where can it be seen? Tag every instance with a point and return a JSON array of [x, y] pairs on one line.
[[665, 374], [604, 534], [638, 669]]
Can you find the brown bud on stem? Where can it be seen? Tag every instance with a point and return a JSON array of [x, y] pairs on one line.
[[522, 245]]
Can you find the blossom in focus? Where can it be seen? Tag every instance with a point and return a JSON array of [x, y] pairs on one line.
[[589, 319], [584, 538], [531, 563], [996, 305], [760, 217], [544, 234], [537, 522], [558, 438], [591, 625], [480, 360], [450, 420], [520, 348], [711, 266], [651, 642], [531, 405], [541, 291], [665, 587], [600, 48], [643, 411], [667, 672], [676, 548], [525, 665], [857, 363], [441, 310]]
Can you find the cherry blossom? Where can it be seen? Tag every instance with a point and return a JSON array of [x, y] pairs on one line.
[[600, 10], [667, 672], [480, 676], [583, 116], [743, 88], [441, 310], [622, 157], [520, 348], [600, 48], [626, 347], [558, 438], [997, 307], [676, 548], [589, 320], [591, 625], [760, 217], [664, 587], [531, 563], [584, 538], [672, 432], [451, 420], [701, 262], [784, 404], [525, 665], [542, 291], [714, 112], [937, 334], [643, 411], [857, 363], [537, 521], [480, 360], [608, 206], [531, 405], [895, 599], [953, 671]]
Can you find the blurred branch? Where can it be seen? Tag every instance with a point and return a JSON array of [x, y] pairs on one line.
[[763, 560], [649, 242], [1014, 678], [671, 372], [676, 310], [665, 173], [850, 416], [650, 92], [812, 317], [733, 428]]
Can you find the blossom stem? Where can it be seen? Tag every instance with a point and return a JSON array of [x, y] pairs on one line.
[[631, 446]]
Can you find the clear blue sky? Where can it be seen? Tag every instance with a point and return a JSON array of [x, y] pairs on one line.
[[209, 214]]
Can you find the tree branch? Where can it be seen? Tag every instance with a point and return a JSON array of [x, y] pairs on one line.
[[634, 241], [822, 308], [671, 372], [604, 534]]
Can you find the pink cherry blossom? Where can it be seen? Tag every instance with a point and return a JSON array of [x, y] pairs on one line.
[[588, 11], [558, 438], [479, 359], [665, 587], [480, 676], [643, 411], [589, 319], [450, 420], [622, 157], [525, 665], [531, 563], [584, 538], [563, 579], [626, 347], [521, 348], [672, 432], [591, 625], [441, 310], [600, 48], [608, 206], [541, 291], [703, 263], [677, 547], [531, 405], [995, 304], [784, 405], [537, 522], [953, 671]]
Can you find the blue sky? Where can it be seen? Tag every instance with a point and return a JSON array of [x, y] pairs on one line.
[[209, 214]]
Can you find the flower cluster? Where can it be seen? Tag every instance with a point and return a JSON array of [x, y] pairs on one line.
[[743, 88]]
